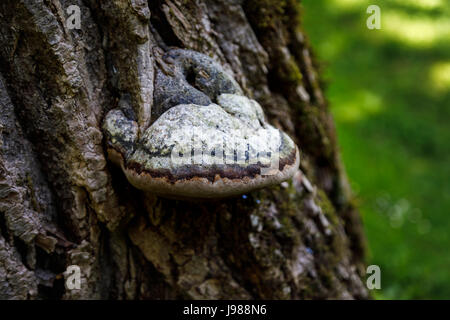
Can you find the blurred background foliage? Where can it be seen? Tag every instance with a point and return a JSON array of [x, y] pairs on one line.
[[389, 92]]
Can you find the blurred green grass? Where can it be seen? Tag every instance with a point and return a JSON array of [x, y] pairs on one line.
[[389, 92]]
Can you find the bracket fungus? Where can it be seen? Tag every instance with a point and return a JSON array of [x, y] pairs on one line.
[[206, 139]]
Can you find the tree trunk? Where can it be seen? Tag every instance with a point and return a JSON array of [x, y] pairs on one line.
[[63, 203]]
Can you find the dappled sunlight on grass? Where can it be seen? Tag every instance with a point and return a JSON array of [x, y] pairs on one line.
[[357, 106], [440, 76], [349, 4], [389, 93], [416, 4], [423, 4], [419, 31]]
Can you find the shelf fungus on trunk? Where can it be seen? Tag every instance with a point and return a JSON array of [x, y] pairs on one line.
[[206, 139]]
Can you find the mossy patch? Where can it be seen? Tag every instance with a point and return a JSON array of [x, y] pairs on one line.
[[266, 12], [327, 207]]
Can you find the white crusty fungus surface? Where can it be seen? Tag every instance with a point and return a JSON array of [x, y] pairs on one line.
[[197, 151], [206, 139]]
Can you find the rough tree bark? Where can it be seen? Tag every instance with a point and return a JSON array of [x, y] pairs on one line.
[[62, 203]]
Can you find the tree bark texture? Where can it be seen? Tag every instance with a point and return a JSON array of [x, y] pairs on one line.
[[63, 203]]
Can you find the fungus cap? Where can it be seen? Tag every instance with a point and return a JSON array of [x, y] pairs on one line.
[[213, 151]]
